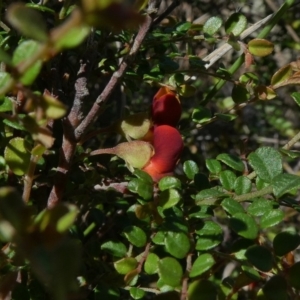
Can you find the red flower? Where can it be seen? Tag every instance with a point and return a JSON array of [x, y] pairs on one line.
[[166, 108], [168, 145]]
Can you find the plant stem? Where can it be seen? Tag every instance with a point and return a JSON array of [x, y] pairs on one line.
[[238, 63], [248, 196], [29, 177]]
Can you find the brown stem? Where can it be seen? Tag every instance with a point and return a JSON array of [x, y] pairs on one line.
[[29, 177], [72, 132], [116, 77]]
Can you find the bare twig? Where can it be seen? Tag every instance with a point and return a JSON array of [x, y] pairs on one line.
[[72, 132], [169, 9], [106, 93]]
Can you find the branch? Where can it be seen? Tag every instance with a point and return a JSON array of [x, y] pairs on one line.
[[116, 77], [74, 126]]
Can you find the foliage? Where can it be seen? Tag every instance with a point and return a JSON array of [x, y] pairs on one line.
[[77, 80]]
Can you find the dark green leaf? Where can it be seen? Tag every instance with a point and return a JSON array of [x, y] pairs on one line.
[[201, 115], [240, 94], [231, 206], [190, 168], [294, 275], [226, 117], [285, 242], [169, 182], [177, 244], [141, 187], [266, 162], [205, 288], [135, 236], [260, 257], [28, 21], [232, 161], [271, 218], [276, 288], [202, 264], [170, 271], [284, 183], [242, 185], [244, 225], [210, 235], [296, 97], [183, 27]]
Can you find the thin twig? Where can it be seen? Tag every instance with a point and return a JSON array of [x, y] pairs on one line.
[[164, 14]]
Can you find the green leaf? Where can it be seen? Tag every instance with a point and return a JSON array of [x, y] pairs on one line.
[[5, 79], [212, 25], [236, 24], [135, 236], [6, 58], [136, 293], [169, 198], [260, 47], [115, 248], [177, 244], [213, 166], [210, 236], [227, 179], [271, 218], [25, 51], [202, 264], [5, 104], [183, 27], [54, 109], [239, 93], [239, 248], [244, 225], [28, 21], [296, 97], [209, 196], [260, 257], [141, 187], [201, 115], [266, 162], [159, 238], [170, 271], [285, 242], [68, 217], [231, 206], [169, 182], [282, 75], [259, 207], [205, 288], [151, 264], [231, 161], [276, 288], [284, 183], [225, 117], [71, 38], [125, 265], [242, 185], [190, 168], [12, 214], [17, 155], [294, 275]]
